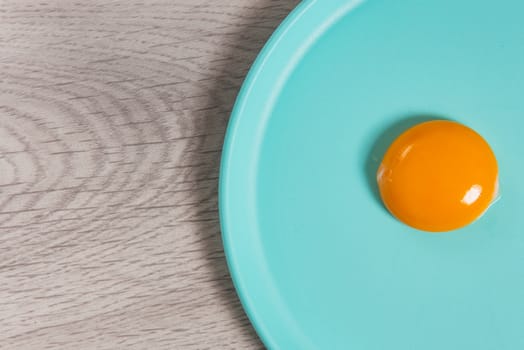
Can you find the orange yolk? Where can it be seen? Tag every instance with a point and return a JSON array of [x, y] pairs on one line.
[[438, 176]]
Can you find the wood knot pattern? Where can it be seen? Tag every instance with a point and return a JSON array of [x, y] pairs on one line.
[[112, 118]]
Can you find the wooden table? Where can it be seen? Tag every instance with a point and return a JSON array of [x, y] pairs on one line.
[[112, 118]]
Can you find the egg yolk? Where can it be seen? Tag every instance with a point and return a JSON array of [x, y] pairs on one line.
[[438, 176]]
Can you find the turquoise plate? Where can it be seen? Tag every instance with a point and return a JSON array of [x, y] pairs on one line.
[[316, 259]]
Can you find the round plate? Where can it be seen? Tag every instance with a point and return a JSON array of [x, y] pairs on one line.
[[316, 259]]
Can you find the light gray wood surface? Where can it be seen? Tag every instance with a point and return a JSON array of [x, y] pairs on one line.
[[112, 118]]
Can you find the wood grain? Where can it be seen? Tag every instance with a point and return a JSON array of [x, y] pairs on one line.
[[112, 118]]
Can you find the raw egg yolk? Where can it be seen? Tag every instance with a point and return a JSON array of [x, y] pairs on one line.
[[438, 176]]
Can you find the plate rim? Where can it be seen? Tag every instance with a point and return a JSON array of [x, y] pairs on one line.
[[339, 8]]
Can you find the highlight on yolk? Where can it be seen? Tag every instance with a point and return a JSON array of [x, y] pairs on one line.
[[438, 176]]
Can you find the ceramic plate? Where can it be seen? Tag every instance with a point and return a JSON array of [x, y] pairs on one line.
[[316, 259]]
